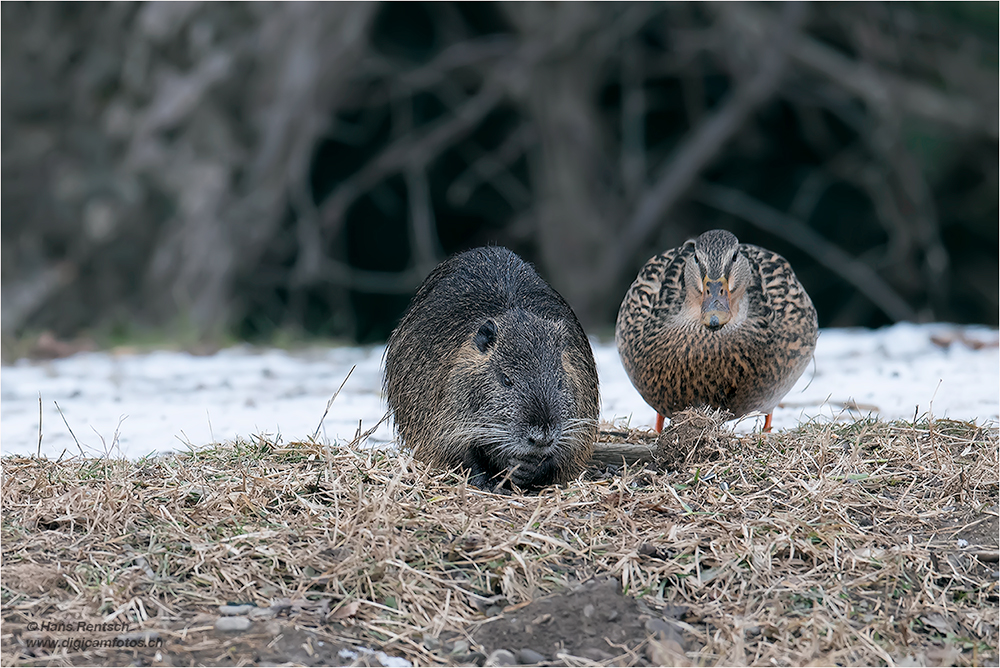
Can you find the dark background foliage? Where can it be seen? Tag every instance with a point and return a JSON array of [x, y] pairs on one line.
[[249, 169]]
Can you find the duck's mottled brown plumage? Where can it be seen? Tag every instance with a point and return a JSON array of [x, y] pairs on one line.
[[677, 356]]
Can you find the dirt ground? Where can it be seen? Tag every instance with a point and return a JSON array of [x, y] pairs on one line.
[[866, 544], [592, 623]]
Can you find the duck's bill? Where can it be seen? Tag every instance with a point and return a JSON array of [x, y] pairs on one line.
[[715, 308]]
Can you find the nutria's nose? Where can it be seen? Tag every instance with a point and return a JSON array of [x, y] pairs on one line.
[[541, 438]]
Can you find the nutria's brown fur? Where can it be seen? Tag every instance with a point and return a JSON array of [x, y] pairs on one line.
[[490, 370]]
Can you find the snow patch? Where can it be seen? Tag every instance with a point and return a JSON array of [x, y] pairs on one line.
[[133, 405]]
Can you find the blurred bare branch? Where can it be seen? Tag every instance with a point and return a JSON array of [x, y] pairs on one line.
[[423, 239], [471, 53], [493, 167], [633, 153], [387, 282], [705, 142], [883, 89], [410, 149], [218, 163], [853, 271]]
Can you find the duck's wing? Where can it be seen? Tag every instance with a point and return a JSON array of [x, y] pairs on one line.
[[657, 293], [778, 300]]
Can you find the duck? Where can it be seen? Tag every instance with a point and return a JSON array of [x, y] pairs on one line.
[[716, 323]]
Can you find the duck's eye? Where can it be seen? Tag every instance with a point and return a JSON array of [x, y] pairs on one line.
[[505, 379]]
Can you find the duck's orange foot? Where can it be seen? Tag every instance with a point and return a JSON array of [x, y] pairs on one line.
[[767, 424], [659, 423]]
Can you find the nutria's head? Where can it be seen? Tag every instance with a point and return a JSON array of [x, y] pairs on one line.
[[518, 392]]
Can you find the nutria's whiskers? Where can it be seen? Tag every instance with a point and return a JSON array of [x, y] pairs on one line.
[[573, 430]]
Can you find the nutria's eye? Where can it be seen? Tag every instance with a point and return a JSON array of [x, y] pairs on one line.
[[486, 336], [505, 379]]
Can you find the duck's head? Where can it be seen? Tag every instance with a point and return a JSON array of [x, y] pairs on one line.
[[717, 276]]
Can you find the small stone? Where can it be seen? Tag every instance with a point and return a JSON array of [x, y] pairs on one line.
[[612, 615], [501, 657], [485, 604], [474, 659], [233, 610], [588, 610], [654, 625], [666, 653], [674, 611], [663, 630], [962, 543], [431, 642], [281, 604], [529, 656], [597, 655], [262, 613], [232, 624], [137, 636], [647, 550], [460, 647]]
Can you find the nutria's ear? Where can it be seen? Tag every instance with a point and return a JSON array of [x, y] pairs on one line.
[[486, 336]]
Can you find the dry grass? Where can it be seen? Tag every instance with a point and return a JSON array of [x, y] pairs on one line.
[[830, 544]]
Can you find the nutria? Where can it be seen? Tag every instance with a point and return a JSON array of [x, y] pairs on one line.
[[489, 370]]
